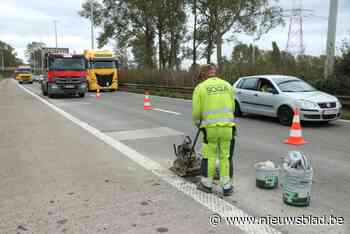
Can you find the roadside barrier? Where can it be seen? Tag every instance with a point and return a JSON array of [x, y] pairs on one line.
[[185, 91]]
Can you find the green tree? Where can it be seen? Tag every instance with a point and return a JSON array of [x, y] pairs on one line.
[[343, 65], [8, 55], [97, 11], [276, 58], [170, 19], [132, 22], [141, 59], [221, 17], [128, 22], [33, 53]]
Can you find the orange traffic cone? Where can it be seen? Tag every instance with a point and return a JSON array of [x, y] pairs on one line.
[[98, 95], [295, 134], [147, 102]]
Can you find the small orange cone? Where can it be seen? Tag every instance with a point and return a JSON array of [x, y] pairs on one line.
[[295, 134], [147, 102], [98, 95]]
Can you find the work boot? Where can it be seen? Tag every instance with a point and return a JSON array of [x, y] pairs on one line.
[[227, 192], [203, 188]]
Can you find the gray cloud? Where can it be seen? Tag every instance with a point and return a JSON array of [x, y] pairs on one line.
[[24, 21]]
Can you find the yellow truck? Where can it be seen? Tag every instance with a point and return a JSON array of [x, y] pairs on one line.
[[24, 74], [102, 70]]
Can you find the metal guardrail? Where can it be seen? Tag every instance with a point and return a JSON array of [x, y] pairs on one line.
[[185, 91], [151, 87], [170, 91], [345, 100]]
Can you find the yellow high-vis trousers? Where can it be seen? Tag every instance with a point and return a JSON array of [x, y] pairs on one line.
[[218, 143]]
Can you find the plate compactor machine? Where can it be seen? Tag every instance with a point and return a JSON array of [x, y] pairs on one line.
[[187, 162]]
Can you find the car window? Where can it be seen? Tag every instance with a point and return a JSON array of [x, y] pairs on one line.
[[249, 83], [240, 84], [266, 86], [295, 86]]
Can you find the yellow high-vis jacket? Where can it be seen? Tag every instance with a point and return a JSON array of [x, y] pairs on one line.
[[213, 103]]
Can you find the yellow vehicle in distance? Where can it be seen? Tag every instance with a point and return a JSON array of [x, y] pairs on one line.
[[102, 70], [24, 74]]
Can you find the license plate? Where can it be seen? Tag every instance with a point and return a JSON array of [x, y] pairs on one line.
[[69, 86], [330, 112]]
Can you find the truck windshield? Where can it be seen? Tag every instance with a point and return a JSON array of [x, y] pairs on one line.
[[61, 64], [103, 64], [23, 70]]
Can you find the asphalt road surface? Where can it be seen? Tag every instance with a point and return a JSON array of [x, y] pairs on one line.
[[56, 177]]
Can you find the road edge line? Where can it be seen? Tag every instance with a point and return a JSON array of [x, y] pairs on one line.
[[344, 120], [167, 111], [210, 201]]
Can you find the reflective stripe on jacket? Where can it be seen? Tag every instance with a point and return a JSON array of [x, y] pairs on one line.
[[213, 103]]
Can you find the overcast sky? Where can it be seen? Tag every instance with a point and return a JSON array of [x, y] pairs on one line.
[[23, 21]]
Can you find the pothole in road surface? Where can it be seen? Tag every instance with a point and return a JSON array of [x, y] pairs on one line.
[[162, 229], [63, 221]]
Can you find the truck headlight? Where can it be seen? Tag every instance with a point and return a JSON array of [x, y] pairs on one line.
[[308, 105]]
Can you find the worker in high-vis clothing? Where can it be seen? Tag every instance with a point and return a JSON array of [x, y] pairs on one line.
[[213, 108]]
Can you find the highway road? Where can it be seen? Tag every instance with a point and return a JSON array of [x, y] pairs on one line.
[[66, 158]]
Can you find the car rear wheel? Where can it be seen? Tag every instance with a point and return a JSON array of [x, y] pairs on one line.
[[50, 95], [238, 111], [43, 90], [285, 115], [81, 95]]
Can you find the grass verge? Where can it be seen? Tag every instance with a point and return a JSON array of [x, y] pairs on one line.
[[346, 114]]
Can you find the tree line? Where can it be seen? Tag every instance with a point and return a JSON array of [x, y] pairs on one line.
[[8, 55], [34, 55], [248, 59], [157, 33], [161, 34]]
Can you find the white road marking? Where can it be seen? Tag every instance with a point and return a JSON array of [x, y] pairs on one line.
[[162, 98], [144, 133], [344, 120], [212, 202], [167, 111], [71, 103]]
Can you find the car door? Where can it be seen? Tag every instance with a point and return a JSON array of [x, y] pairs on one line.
[[266, 98], [246, 92]]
